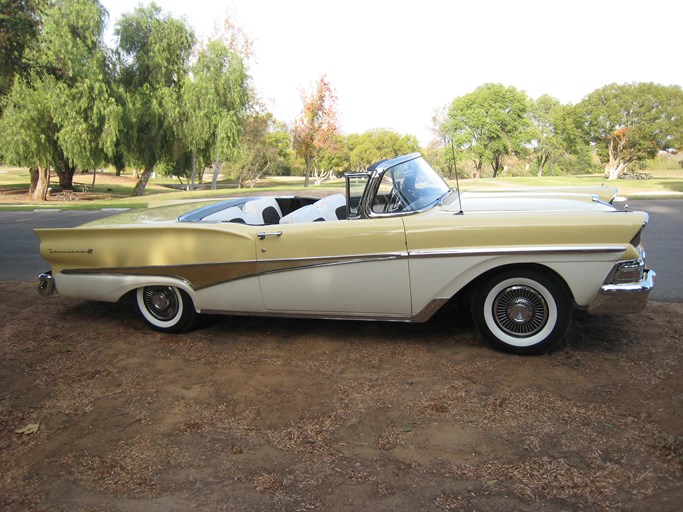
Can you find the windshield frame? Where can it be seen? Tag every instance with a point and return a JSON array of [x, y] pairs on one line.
[[396, 167]]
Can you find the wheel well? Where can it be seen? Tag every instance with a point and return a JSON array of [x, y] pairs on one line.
[[464, 293]]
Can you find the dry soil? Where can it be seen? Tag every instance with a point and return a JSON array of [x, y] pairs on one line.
[[263, 414]]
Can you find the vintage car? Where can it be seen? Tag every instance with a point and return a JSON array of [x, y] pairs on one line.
[[398, 246]]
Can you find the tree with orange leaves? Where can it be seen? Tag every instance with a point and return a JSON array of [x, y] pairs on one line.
[[630, 123], [316, 126]]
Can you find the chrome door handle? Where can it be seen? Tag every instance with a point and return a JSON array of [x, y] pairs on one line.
[[262, 235]]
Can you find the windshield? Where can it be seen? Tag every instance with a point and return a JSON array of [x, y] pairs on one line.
[[409, 186]]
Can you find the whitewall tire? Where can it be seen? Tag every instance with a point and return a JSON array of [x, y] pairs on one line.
[[522, 311], [165, 308]]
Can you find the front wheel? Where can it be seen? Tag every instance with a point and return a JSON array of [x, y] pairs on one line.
[[165, 308], [522, 311]]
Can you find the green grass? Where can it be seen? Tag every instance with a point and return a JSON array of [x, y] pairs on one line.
[[117, 192], [660, 183]]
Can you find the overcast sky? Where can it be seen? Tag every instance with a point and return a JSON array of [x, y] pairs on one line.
[[393, 63]]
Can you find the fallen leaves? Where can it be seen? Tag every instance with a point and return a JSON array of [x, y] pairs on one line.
[[29, 429]]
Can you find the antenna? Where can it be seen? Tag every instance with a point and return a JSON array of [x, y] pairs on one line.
[[457, 182]]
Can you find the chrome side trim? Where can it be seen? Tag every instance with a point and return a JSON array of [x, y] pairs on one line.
[[429, 310], [204, 275], [423, 316], [274, 266], [504, 251], [314, 316]]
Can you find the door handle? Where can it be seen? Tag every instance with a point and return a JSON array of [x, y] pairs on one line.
[[262, 235]]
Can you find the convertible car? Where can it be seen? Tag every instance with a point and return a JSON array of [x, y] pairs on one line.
[[398, 246]]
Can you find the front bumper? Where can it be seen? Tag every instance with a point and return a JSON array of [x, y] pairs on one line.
[[46, 284], [617, 299]]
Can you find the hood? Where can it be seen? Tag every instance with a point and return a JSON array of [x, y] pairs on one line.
[[539, 200]]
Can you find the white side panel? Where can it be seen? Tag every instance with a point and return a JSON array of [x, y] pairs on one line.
[[242, 295], [109, 287], [443, 277], [370, 288]]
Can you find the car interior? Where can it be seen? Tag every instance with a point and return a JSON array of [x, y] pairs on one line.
[[282, 210]]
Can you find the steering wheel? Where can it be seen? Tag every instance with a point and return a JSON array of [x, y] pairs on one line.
[[396, 199]]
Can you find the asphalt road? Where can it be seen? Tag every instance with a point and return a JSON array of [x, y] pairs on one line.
[[663, 240]]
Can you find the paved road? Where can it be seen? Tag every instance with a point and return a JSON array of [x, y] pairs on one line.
[[663, 240], [19, 257]]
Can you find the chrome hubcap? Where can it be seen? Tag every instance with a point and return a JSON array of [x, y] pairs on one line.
[[161, 302], [520, 311]]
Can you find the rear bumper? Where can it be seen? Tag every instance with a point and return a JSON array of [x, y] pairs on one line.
[[46, 284], [617, 299]]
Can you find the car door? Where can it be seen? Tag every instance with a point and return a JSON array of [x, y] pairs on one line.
[[348, 267]]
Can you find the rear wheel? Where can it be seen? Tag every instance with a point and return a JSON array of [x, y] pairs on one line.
[[522, 311], [165, 308]]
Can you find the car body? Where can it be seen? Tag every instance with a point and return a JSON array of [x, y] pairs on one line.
[[398, 246]]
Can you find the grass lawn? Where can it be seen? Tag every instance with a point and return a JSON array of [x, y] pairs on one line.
[[111, 191], [661, 183]]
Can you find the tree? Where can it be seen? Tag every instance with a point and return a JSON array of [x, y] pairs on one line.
[[264, 147], [214, 99], [317, 124], [630, 123], [441, 151], [27, 133], [489, 124], [19, 27], [546, 116], [379, 144], [62, 115], [332, 159], [154, 55]]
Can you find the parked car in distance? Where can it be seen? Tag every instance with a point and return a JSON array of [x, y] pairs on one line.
[[398, 246]]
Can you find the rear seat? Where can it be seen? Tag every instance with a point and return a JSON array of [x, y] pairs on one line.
[[262, 211], [232, 214], [256, 212], [326, 209]]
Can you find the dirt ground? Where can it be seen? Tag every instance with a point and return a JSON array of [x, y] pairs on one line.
[[263, 414]]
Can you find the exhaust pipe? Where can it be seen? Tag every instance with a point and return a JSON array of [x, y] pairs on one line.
[[46, 284]]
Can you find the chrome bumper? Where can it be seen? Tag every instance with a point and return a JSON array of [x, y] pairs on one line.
[[46, 284], [617, 299]]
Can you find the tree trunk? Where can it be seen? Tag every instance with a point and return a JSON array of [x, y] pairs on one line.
[[477, 166], [615, 165], [216, 168], [66, 176], [194, 171], [142, 181], [541, 161], [34, 173], [308, 170], [40, 192], [615, 169], [216, 172], [94, 175]]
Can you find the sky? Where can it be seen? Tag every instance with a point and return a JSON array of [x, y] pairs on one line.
[[393, 64]]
